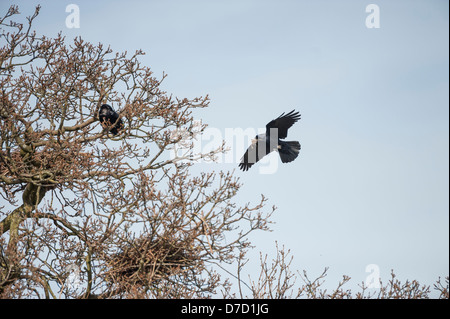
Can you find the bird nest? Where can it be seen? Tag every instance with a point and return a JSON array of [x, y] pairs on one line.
[[147, 260]]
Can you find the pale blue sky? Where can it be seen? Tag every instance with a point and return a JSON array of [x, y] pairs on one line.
[[371, 183]]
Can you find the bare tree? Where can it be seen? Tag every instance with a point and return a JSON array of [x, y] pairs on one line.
[[276, 280], [114, 211]]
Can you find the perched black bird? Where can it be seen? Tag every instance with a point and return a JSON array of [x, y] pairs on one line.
[[110, 119], [263, 144]]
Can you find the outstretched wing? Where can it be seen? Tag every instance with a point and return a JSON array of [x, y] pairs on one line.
[[283, 123], [254, 153], [249, 158]]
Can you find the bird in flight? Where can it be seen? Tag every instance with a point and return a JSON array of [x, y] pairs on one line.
[[110, 119], [271, 140]]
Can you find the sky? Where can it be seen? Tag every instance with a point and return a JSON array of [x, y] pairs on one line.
[[370, 186]]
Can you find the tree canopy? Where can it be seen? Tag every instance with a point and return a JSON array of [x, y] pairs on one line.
[[130, 218]]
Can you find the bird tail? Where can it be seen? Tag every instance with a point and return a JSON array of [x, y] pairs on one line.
[[289, 151]]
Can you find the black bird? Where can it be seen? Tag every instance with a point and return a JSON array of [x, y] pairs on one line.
[[110, 119], [263, 144]]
